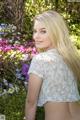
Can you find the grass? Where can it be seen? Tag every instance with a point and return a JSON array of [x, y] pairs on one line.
[[12, 106]]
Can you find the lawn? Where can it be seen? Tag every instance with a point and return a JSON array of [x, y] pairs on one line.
[[12, 106]]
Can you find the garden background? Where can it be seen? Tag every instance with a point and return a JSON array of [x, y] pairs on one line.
[[17, 48]]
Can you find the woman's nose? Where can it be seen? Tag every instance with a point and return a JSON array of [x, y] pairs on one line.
[[36, 36]]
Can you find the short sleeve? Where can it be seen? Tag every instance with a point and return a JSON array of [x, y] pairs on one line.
[[36, 66]]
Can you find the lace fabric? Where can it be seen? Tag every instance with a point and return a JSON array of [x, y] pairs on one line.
[[59, 84]]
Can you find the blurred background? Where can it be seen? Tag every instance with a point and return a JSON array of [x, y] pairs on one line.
[[17, 48]]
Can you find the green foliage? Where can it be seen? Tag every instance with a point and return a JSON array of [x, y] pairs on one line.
[[13, 106], [70, 11], [32, 9], [77, 42], [1, 10], [40, 113], [75, 31]]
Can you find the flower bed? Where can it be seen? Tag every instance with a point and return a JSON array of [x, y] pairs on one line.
[[15, 59]]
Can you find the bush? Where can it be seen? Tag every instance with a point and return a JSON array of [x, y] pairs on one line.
[[12, 106], [14, 60]]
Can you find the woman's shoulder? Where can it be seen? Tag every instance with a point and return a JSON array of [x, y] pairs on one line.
[[40, 56], [48, 56]]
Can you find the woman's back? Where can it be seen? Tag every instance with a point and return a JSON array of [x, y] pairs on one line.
[[59, 83], [62, 111], [75, 110]]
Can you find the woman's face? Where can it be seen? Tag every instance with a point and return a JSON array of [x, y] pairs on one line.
[[41, 37]]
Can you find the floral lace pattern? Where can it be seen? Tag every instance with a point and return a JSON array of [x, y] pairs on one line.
[[59, 83]]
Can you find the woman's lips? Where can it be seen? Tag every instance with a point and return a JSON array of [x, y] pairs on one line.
[[38, 42]]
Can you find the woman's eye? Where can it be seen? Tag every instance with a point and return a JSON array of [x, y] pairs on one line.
[[43, 31]]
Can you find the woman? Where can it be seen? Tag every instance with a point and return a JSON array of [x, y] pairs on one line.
[[54, 72]]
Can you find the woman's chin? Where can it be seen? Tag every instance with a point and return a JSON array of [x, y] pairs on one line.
[[39, 47]]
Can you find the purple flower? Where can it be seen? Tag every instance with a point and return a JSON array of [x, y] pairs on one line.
[[6, 48], [21, 48], [27, 77], [25, 68], [3, 42]]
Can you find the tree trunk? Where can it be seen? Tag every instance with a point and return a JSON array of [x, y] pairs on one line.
[[14, 12]]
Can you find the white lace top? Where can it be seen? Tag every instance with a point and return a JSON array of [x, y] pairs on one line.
[[59, 84]]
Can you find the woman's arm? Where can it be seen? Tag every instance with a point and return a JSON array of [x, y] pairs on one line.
[[32, 96]]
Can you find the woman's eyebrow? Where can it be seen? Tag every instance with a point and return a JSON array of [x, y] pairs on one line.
[[40, 28]]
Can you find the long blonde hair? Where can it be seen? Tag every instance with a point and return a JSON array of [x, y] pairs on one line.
[[59, 34]]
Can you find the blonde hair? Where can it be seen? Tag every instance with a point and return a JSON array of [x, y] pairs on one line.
[[59, 34]]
